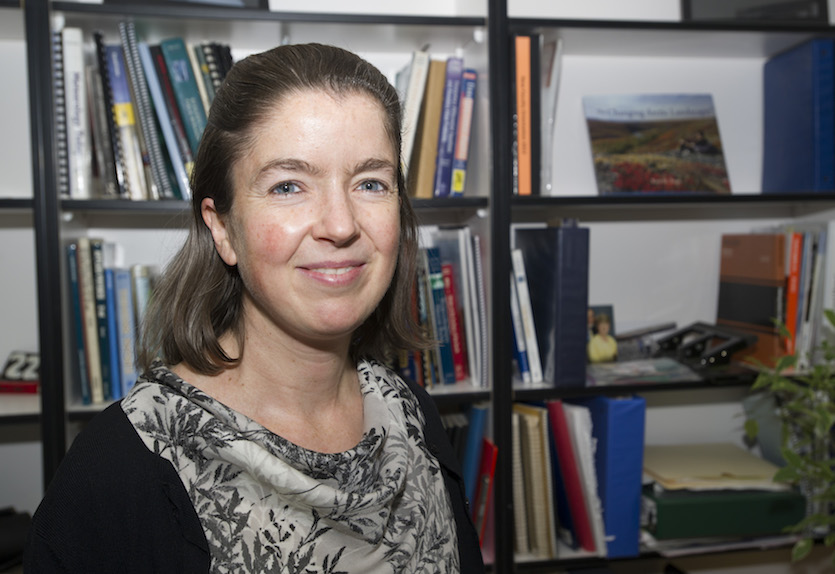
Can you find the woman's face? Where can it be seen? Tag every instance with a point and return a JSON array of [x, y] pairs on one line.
[[315, 224]]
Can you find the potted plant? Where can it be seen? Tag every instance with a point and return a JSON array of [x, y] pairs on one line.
[[805, 402]]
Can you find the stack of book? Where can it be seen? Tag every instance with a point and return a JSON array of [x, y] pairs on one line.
[[577, 469], [450, 306], [438, 98], [106, 303], [131, 113]]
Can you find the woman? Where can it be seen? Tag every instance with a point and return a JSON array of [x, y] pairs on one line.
[[265, 434]]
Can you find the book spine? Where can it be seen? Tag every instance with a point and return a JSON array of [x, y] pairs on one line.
[[481, 313], [112, 334], [198, 76], [179, 164], [418, 70], [522, 45], [424, 156], [449, 123], [436, 282], [79, 156], [118, 165], [62, 171], [824, 124], [425, 315], [214, 66], [127, 328], [528, 324], [90, 323], [793, 288], [204, 74], [100, 295], [187, 95], [456, 332], [141, 277], [519, 347], [144, 108], [466, 107], [124, 116], [104, 171], [78, 322], [472, 448], [483, 498]]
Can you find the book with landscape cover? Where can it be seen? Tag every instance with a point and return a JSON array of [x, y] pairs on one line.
[[656, 143]]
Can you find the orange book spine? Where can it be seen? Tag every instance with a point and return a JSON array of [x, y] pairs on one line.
[[793, 289], [523, 115]]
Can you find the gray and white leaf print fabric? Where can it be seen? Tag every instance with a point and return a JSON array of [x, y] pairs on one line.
[[268, 505]]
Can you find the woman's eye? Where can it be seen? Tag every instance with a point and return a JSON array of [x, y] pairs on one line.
[[372, 185], [286, 188]]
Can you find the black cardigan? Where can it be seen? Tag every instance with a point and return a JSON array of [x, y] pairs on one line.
[[114, 506]]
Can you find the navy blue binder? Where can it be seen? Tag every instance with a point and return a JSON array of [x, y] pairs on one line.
[[799, 119], [557, 265]]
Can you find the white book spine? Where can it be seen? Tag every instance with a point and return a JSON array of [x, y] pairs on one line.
[[79, 150], [534, 362]]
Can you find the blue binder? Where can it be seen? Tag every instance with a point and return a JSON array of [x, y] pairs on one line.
[[618, 426], [799, 119]]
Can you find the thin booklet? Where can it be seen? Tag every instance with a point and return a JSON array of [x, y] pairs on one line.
[[656, 143]]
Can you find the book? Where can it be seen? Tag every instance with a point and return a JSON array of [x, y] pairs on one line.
[[97, 257], [124, 117], [466, 110], [421, 182], [656, 143], [448, 126], [536, 456], [197, 71], [126, 322], [62, 168], [89, 320], [520, 351], [618, 426], [160, 186], [113, 142], [112, 325], [701, 514], [523, 132], [457, 338], [78, 146], [483, 498], [473, 447], [570, 475], [141, 276], [551, 50], [795, 255], [79, 356], [520, 279], [104, 172], [580, 425], [752, 281], [480, 296], [179, 154], [521, 543], [186, 93], [203, 76], [799, 119], [557, 263], [439, 318], [412, 84]]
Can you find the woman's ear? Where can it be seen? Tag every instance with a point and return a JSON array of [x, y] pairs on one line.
[[220, 231]]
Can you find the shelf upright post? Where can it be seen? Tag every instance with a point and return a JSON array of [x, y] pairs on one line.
[[47, 234], [499, 48]]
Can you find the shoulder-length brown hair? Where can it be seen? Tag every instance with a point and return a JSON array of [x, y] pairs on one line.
[[198, 298]]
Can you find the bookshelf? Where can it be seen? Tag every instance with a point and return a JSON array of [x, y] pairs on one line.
[[649, 49]]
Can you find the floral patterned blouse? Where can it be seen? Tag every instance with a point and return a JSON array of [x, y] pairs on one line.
[[268, 505]]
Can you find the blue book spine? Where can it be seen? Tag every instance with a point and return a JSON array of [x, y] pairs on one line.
[[126, 324], [799, 119], [557, 263], [472, 449], [520, 351], [618, 427], [112, 334], [466, 107], [78, 323], [449, 123], [442, 335]]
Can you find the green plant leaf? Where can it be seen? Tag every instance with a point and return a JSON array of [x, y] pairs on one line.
[[801, 549], [752, 429]]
